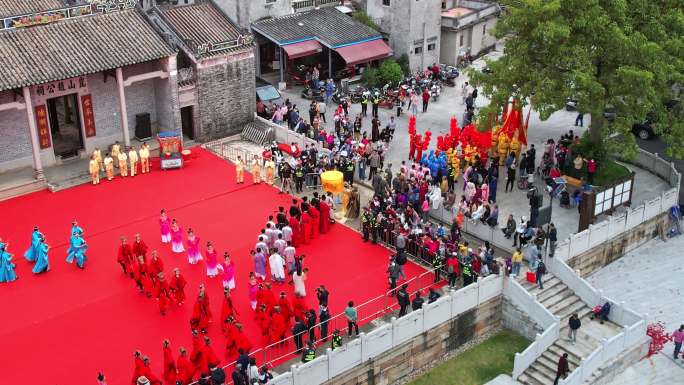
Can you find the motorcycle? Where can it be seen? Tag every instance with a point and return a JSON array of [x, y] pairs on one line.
[[338, 96], [317, 94]]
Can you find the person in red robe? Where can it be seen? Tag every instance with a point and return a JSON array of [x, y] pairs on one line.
[[141, 277], [139, 247], [210, 354], [186, 370], [147, 370], [230, 332], [156, 264], [197, 357], [277, 326], [241, 339], [299, 308], [227, 310], [296, 232], [315, 223], [285, 309], [164, 294], [177, 286], [170, 373], [201, 313], [125, 257], [139, 366], [305, 227], [324, 210], [269, 297], [263, 319], [260, 294]]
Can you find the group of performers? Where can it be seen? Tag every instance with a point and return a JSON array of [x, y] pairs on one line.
[[37, 253], [125, 161], [149, 274]]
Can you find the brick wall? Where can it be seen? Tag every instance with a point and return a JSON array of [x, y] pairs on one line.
[[15, 143], [427, 348], [226, 94], [516, 319], [607, 252]]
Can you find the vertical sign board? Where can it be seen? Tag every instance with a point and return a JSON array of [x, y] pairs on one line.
[[88, 116], [43, 127]]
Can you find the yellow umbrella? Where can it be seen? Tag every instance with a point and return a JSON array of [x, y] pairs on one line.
[[332, 181]]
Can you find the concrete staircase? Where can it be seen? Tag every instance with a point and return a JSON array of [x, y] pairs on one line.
[[562, 302]]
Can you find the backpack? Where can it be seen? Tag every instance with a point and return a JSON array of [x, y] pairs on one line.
[[541, 268]]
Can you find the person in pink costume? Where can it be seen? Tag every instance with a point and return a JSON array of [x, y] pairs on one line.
[[176, 238], [228, 269], [165, 227], [211, 261], [193, 242]]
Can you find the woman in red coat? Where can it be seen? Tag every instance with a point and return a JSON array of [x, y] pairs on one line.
[[210, 354], [197, 357], [139, 366], [277, 327], [164, 294], [185, 368], [156, 264], [201, 313], [241, 339], [324, 210], [299, 308], [125, 257], [285, 309], [315, 225], [228, 310], [177, 286], [230, 332], [141, 276], [306, 227], [170, 374], [263, 319], [296, 232], [139, 248]]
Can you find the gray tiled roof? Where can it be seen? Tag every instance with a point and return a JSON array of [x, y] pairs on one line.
[[77, 47], [330, 26], [22, 7], [202, 23]]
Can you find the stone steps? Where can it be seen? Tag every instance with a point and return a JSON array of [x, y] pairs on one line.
[[22, 189]]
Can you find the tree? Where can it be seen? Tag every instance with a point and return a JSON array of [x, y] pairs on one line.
[[363, 18], [390, 72], [623, 55]]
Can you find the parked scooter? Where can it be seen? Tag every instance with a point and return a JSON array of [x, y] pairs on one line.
[[435, 91]]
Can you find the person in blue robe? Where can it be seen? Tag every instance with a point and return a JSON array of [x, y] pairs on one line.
[[32, 253], [7, 273], [42, 262], [78, 248], [75, 229]]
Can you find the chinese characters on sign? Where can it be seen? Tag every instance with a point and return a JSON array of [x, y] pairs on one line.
[[88, 117], [43, 128], [61, 87]]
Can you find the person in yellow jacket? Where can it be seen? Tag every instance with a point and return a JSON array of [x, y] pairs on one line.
[[116, 150], [133, 160], [109, 166], [144, 154], [256, 170], [240, 170], [516, 262], [270, 170], [94, 169], [123, 164], [98, 156]]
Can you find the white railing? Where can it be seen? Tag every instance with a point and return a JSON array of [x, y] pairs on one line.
[[285, 135], [541, 316], [388, 336]]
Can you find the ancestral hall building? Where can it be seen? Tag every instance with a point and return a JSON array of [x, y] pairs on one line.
[[78, 77]]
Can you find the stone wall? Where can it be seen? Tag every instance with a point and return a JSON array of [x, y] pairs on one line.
[[516, 319], [226, 94], [607, 252], [420, 351], [15, 143]]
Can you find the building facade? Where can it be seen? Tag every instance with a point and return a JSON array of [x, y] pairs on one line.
[[249, 11], [466, 26], [413, 28], [74, 78]]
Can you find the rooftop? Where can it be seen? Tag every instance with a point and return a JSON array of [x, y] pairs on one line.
[[23, 7], [457, 12], [327, 25], [201, 23], [76, 47]]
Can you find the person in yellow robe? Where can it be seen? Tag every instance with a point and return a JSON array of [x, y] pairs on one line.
[[123, 164], [98, 156], [256, 170], [94, 168], [240, 170], [133, 160], [116, 150], [109, 167], [270, 170], [144, 154]]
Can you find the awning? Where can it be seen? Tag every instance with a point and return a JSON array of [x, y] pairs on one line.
[[364, 52], [303, 48]]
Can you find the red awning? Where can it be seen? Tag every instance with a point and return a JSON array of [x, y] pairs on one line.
[[303, 48], [364, 52]]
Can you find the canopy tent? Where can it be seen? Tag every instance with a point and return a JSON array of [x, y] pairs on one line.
[[364, 52], [302, 48]]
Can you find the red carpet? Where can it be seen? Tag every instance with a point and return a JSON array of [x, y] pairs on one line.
[[62, 327]]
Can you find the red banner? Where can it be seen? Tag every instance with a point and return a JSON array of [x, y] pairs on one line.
[[43, 127], [88, 116]]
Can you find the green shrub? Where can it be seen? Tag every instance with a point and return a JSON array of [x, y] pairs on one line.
[[370, 77], [390, 72]]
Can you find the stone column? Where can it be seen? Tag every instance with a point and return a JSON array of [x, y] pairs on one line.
[[122, 107], [33, 132]]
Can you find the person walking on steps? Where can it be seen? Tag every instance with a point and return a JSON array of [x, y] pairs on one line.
[[574, 324], [563, 368]]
